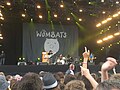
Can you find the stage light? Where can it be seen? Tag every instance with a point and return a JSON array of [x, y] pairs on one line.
[[105, 21], [98, 25], [99, 41], [115, 15], [1, 37], [0, 34], [116, 34], [109, 26], [74, 2], [1, 18], [118, 43], [68, 18], [80, 10], [23, 15], [117, 2], [104, 39], [108, 19], [119, 12], [38, 6], [102, 1], [80, 19], [110, 36], [55, 15], [8, 3], [1, 6], [90, 3], [31, 19], [110, 44], [20, 59], [61, 5], [102, 48], [1, 14], [103, 12], [40, 16]]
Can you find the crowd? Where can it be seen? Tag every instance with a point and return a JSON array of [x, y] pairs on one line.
[[82, 80]]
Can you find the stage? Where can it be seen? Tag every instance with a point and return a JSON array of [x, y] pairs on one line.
[[22, 69]]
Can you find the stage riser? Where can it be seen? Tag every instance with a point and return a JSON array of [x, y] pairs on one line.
[[22, 69]]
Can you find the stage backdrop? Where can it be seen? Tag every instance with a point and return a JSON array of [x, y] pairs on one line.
[[40, 37]]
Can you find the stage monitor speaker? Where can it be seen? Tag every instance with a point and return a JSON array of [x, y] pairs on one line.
[[21, 63]]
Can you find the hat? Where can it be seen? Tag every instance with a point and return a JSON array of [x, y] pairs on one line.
[[3, 83], [49, 81]]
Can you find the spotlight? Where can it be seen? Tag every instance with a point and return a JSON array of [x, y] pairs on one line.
[[116, 34], [55, 15], [8, 3], [115, 15], [80, 10], [98, 25], [1, 14], [102, 1], [80, 19], [68, 18], [1, 18], [119, 12], [108, 19], [117, 2], [23, 15], [61, 5], [105, 21], [31, 20], [38, 6], [99, 41], [109, 37], [104, 39], [103, 12], [40, 16], [1, 37]]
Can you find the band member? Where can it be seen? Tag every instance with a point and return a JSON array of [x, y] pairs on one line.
[[2, 58], [61, 59]]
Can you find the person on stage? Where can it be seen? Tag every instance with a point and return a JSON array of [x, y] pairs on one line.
[[61, 59], [2, 58]]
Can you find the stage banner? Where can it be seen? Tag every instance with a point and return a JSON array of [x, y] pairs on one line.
[[38, 38]]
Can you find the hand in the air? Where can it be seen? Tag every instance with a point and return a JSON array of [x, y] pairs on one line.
[[109, 64], [86, 54]]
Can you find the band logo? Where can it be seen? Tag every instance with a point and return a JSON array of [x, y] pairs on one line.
[[51, 34]]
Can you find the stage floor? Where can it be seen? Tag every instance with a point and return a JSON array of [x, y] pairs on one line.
[[22, 69]]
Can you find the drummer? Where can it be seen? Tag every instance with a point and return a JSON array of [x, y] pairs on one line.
[[61, 59]]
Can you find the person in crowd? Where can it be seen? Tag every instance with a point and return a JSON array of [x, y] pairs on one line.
[[70, 70], [50, 82], [3, 83], [60, 78], [14, 84], [75, 85], [109, 85], [69, 78], [87, 78], [30, 81]]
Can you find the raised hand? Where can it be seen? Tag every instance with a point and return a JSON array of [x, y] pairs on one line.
[[85, 71], [86, 54], [109, 64]]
